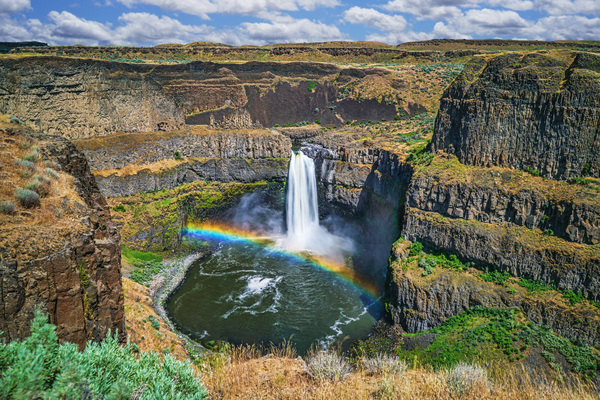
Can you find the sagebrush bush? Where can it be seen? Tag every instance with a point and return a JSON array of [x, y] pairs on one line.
[[324, 366], [32, 157], [465, 378], [7, 207], [52, 173], [39, 186], [384, 364], [25, 163], [27, 198], [38, 367]]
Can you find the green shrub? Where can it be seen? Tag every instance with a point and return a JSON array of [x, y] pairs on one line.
[[120, 208], [311, 86], [154, 322], [178, 156], [318, 121], [27, 198], [38, 367], [7, 207], [533, 172], [52, 173], [32, 157], [25, 163], [39, 186], [500, 278], [415, 248]]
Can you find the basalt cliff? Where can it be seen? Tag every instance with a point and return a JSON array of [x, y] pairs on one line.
[[508, 185], [61, 253]]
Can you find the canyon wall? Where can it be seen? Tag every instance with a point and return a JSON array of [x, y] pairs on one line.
[[63, 258], [538, 112], [80, 98], [504, 121]]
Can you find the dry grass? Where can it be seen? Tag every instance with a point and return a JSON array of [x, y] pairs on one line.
[[271, 377], [138, 306], [58, 216]]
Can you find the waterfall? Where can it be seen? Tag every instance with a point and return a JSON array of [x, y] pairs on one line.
[[302, 205], [304, 233]]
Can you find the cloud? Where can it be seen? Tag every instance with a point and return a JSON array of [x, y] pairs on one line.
[[568, 27], [287, 29], [263, 8], [566, 7], [428, 9], [150, 29], [70, 27], [484, 22], [518, 5], [375, 19], [13, 6]]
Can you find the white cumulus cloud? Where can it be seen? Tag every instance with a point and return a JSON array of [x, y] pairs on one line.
[[203, 8], [286, 30], [375, 19], [13, 6]]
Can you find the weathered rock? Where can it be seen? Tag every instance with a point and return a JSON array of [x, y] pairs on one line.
[[212, 169], [118, 151], [73, 271], [521, 251], [534, 111], [83, 98], [420, 304], [576, 220]]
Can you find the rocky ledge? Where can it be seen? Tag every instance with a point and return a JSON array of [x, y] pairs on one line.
[[63, 256]]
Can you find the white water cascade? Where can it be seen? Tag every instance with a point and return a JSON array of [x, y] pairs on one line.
[[302, 206], [302, 214]]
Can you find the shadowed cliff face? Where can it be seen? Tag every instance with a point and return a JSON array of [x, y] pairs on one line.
[[63, 257], [530, 112]]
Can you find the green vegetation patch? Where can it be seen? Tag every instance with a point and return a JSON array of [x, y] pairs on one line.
[[482, 334], [41, 368], [145, 264]]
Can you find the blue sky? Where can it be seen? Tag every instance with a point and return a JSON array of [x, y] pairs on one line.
[[237, 22]]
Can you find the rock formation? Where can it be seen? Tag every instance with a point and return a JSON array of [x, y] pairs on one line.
[[64, 257], [532, 112]]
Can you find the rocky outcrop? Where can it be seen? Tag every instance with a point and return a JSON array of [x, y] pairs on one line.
[[521, 251], [80, 98], [424, 303], [503, 196], [244, 170], [538, 112], [69, 267], [118, 151], [83, 98]]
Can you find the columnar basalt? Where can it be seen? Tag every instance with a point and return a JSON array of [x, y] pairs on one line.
[[537, 112]]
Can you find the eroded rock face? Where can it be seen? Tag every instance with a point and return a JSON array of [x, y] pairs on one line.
[[190, 170], [575, 221], [520, 251], [537, 112], [119, 151], [422, 304], [72, 271], [83, 98]]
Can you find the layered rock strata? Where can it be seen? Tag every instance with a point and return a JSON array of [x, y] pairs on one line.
[[538, 112], [424, 303], [69, 268]]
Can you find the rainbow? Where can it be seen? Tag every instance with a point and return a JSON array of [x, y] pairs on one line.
[[224, 233]]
